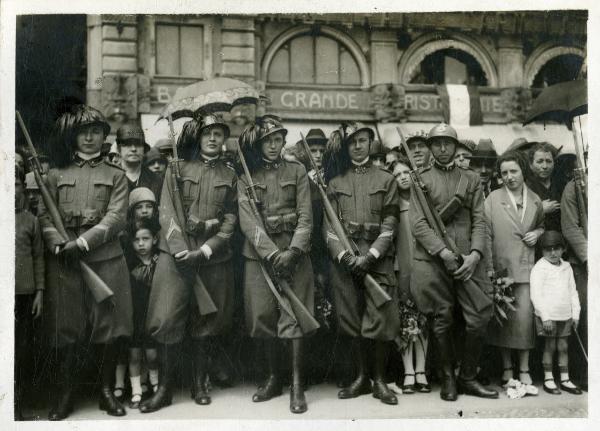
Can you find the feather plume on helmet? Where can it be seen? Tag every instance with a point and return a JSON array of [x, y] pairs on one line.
[[336, 159], [66, 127], [188, 142], [253, 134]]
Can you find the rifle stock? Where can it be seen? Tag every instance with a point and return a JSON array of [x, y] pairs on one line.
[[98, 288], [379, 296], [291, 304], [205, 303], [479, 300]]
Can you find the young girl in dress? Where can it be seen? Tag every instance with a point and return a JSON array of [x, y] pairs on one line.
[[412, 338], [557, 308]]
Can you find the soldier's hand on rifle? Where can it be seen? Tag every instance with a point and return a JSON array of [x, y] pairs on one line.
[[285, 261], [70, 252], [363, 264], [348, 260], [184, 264], [196, 256], [467, 269], [450, 260]]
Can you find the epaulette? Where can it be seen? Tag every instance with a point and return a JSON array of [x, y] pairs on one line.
[[109, 163]]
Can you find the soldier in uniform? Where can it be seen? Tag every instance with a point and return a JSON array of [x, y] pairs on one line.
[[209, 190], [436, 272], [366, 198], [284, 193], [92, 200]]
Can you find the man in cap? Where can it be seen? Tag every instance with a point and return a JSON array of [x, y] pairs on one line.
[[91, 196], [283, 244], [464, 151], [392, 156], [436, 271], [165, 148], [366, 198], [417, 145], [209, 194], [483, 161], [132, 147]]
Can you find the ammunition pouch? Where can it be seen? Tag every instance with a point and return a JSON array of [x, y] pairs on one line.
[[367, 231], [448, 210], [281, 223], [198, 227]]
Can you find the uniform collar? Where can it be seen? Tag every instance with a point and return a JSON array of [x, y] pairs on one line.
[[211, 162], [267, 164], [361, 167], [93, 159], [450, 166]]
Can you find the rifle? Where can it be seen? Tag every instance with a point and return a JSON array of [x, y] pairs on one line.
[[205, 303], [291, 304], [479, 300], [98, 288], [373, 289], [580, 181]]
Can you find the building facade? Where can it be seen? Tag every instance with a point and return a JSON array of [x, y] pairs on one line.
[[316, 70]]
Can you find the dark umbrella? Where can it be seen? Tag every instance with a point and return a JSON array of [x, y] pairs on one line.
[[212, 95], [560, 103]]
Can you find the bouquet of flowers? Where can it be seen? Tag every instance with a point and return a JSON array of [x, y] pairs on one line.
[[412, 324], [503, 295], [323, 309]]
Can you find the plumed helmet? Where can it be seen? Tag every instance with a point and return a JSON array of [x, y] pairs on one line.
[[66, 127], [250, 139], [141, 194], [211, 120], [442, 130], [348, 130], [468, 144], [270, 124]]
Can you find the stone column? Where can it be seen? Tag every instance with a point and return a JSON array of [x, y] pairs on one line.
[[510, 62], [237, 48], [94, 61]]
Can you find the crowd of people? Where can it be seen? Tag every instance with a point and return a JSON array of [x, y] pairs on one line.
[[184, 245]]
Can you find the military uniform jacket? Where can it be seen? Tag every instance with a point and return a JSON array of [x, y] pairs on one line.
[[571, 225], [283, 190], [92, 199], [367, 201], [209, 193], [467, 228]]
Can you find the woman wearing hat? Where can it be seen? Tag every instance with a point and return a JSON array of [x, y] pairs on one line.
[[92, 199], [515, 221], [366, 197], [208, 190], [284, 193]]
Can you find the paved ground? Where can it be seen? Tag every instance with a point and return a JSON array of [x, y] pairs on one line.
[[236, 403]]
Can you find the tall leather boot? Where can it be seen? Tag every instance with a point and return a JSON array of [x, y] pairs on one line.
[[273, 386], [361, 385], [107, 355], [380, 388], [163, 396], [297, 399], [220, 365], [448, 390], [199, 387], [467, 381], [63, 403]]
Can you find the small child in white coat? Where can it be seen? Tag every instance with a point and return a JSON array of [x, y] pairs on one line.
[[557, 308]]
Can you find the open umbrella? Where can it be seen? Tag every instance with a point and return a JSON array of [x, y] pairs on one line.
[[212, 95], [560, 103]]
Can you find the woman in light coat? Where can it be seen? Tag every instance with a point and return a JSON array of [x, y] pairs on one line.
[[515, 220]]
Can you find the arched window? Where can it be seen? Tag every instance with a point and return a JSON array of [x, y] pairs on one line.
[[559, 69], [313, 59], [449, 66]]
